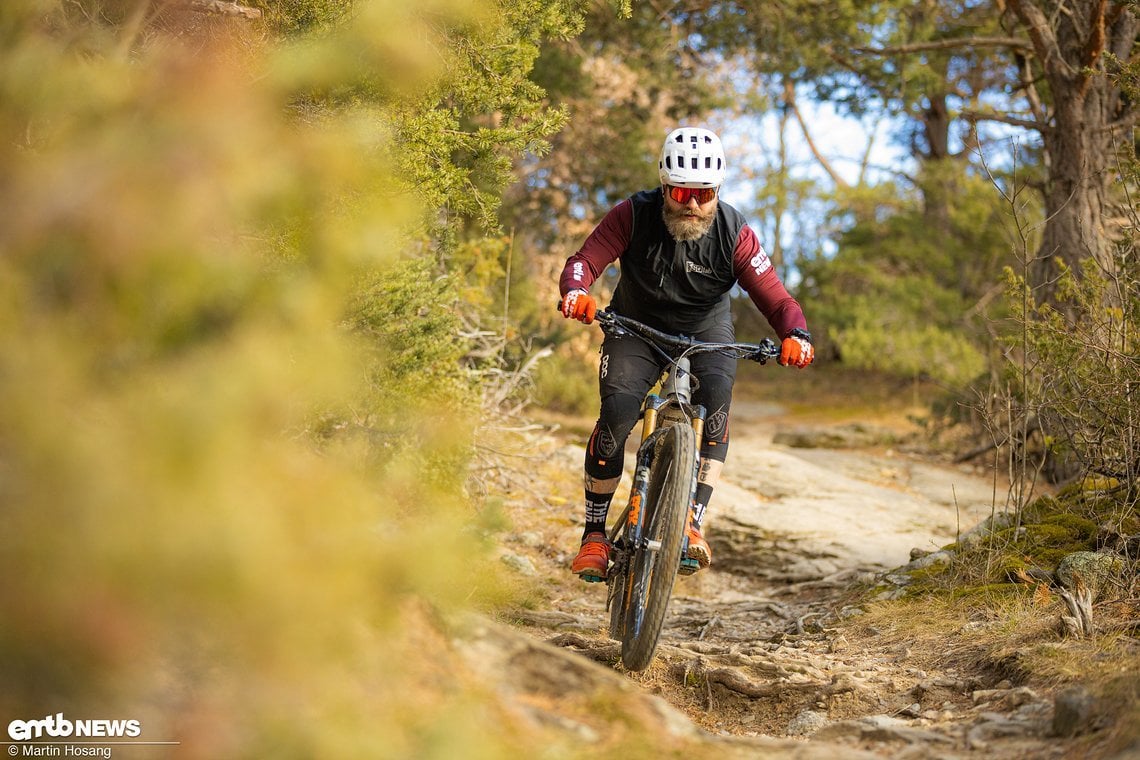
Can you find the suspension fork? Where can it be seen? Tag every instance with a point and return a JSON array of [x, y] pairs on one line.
[[651, 416]]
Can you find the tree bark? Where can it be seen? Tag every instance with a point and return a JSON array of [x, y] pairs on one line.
[[1070, 47]]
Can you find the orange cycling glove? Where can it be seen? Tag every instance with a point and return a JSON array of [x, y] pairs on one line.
[[797, 349], [579, 305]]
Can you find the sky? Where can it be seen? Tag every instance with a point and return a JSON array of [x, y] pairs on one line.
[[842, 140], [751, 145]]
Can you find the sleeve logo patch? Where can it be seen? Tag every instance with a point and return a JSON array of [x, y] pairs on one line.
[[760, 262]]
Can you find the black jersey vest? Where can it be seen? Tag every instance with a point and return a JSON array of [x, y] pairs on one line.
[[677, 286]]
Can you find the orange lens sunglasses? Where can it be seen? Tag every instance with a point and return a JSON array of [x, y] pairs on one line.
[[683, 194]]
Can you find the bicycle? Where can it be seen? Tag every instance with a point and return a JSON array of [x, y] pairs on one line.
[[648, 540]]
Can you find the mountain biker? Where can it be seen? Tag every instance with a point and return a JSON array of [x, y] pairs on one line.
[[682, 250]]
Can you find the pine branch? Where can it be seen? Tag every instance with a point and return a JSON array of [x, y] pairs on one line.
[[1002, 118], [1014, 43]]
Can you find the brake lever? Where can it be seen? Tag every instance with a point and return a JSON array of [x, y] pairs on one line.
[[768, 350]]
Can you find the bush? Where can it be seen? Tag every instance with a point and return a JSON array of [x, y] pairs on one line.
[[568, 385], [178, 549]]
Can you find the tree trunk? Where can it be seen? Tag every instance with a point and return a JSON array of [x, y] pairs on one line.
[[1079, 137], [939, 189]]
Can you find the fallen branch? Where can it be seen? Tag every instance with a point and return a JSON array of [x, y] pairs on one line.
[[550, 619], [1078, 623], [735, 681], [608, 653], [708, 626]]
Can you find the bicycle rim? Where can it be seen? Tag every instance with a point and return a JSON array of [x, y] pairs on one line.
[[618, 583], [652, 571]]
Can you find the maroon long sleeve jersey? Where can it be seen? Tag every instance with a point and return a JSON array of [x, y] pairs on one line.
[[680, 286]]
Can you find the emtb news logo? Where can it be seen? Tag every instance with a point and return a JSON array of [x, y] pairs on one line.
[[58, 726]]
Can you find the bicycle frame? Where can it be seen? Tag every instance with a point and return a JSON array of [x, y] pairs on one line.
[[657, 414], [649, 539], [676, 405]]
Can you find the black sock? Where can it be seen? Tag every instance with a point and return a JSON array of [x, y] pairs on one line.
[[597, 507], [701, 502]]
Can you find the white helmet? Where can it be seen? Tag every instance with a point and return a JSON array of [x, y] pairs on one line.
[[692, 157]]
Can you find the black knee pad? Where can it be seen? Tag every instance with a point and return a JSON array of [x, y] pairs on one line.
[[715, 395], [606, 448]]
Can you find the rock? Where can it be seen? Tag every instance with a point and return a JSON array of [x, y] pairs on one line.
[[1092, 570], [880, 728], [530, 539], [1131, 752], [806, 723], [1072, 711], [994, 726], [1084, 576], [985, 528], [889, 594], [911, 711], [942, 557], [852, 436], [1021, 695], [520, 564], [987, 695]]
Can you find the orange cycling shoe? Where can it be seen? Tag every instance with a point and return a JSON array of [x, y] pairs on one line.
[[593, 558], [698, 548]]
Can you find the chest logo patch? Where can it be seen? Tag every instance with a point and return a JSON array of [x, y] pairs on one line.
[[692, 266]]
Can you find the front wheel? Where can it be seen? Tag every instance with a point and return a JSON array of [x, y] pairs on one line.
[[653, 566]]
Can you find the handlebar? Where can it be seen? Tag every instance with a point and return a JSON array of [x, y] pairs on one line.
[[613, 323]]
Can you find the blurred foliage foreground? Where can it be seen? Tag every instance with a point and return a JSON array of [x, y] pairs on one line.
[[211, 521]]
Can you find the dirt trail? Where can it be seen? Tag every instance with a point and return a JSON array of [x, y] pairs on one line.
[[752, 656]]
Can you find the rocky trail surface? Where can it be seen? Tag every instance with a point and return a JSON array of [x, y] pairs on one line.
[[764, 654]]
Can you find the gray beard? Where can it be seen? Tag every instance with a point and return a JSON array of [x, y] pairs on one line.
[[684, 229]]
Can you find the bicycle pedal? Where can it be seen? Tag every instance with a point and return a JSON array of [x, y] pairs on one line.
[[688, 566]]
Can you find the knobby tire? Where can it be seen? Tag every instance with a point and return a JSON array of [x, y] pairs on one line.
[[618, 587], [652, 573]]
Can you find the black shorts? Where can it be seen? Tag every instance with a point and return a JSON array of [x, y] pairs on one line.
[[630, 367]]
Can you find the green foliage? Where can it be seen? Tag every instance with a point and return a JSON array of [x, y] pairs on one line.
[[903, 292], [1024, 551], [184, 539], [458, 141], [568, 385], [408, 312], [1079, 369], [293, 17], [623, 82], [1042, 542]]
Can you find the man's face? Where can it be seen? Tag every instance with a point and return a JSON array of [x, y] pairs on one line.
[[688, 221]]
